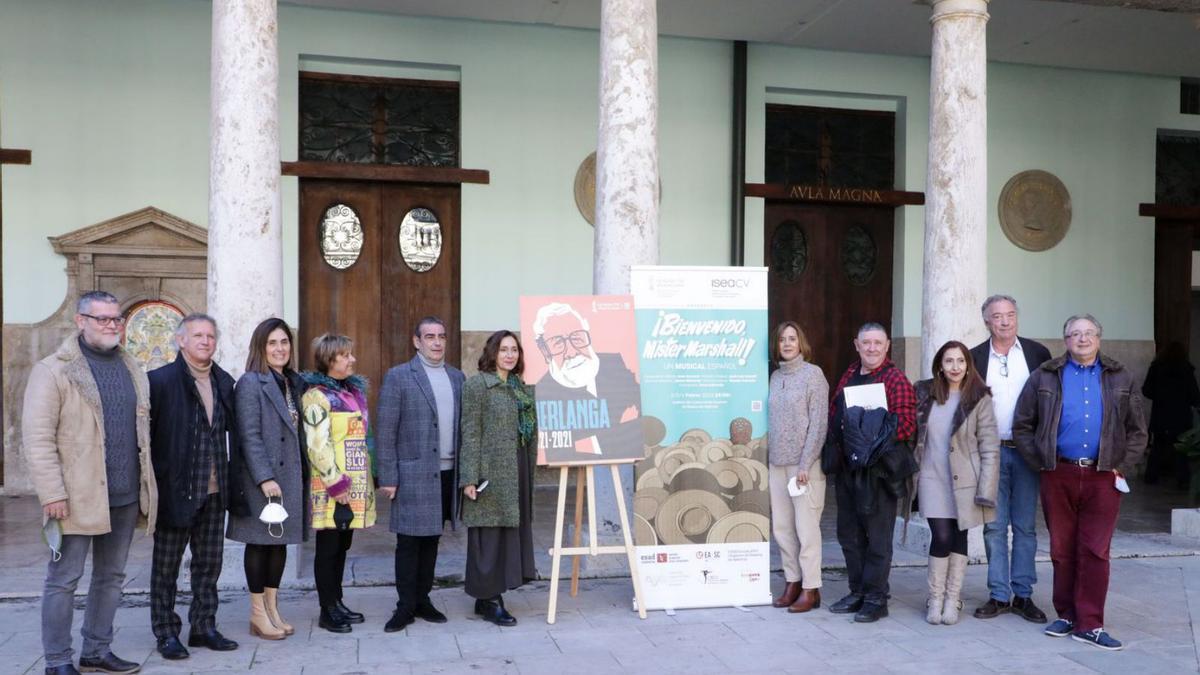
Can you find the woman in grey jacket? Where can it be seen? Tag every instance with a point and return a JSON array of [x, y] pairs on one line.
[[499, 427], [272, 468], [797, 420]]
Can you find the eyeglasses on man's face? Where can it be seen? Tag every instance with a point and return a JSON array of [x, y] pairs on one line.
[[557, 344], [106, 320], [1079, 334]]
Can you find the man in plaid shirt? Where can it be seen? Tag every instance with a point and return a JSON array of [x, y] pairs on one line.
[[866, 533]]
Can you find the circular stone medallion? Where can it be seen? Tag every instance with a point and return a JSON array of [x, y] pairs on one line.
[[1035, 210]]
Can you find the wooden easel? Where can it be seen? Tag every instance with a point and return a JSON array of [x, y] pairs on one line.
[[585, 481]]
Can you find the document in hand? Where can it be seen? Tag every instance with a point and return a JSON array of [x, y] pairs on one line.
[[866, 396]]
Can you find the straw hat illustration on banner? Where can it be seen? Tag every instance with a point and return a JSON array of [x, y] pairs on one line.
[[702, 489]]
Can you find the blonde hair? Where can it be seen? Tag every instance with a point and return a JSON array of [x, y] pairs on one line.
[[327, 347]]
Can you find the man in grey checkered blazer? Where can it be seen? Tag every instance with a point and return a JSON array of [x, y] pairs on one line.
[[416, 445], [191, 430]]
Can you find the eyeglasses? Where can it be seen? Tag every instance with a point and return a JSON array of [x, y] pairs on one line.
[[106, 320], [1076, 334], [1003, 365], [557, 344]]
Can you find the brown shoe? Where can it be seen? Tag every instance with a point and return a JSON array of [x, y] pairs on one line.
[[791, 591], [810, 598]]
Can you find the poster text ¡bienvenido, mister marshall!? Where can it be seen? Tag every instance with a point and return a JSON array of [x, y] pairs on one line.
[[670, 326]]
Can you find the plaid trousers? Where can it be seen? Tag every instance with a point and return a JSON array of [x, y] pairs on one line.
[[207, 539]]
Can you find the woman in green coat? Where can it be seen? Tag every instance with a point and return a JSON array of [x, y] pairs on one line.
[[495, 471]]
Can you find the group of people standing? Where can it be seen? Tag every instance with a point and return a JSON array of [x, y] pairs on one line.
[[995, 427], [282, 453], [285, 453]]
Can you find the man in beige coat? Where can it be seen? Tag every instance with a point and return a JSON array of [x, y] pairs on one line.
[[86, 438]]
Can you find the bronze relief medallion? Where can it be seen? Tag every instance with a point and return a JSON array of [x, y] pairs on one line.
[[1035, 210]]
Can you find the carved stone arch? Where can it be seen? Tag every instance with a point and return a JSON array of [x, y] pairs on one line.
[[144, 255]]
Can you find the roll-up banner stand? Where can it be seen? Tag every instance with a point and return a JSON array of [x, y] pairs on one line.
[[701, 507]]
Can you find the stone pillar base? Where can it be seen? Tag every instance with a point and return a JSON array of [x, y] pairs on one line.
[[1185, 523]]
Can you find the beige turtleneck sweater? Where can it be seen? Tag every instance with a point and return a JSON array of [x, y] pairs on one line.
[[205, 388]]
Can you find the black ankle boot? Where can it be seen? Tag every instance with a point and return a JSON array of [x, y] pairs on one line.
[[333, 620], [492, 610], [351, 615]]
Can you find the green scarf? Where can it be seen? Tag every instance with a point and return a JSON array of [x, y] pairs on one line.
[[526, 418]]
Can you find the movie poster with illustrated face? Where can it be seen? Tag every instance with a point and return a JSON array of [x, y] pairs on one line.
[[581, 357]]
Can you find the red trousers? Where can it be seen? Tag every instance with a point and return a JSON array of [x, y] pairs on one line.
[[1081, 507]]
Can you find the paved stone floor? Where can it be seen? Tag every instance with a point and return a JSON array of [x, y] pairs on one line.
[[1154, 606]]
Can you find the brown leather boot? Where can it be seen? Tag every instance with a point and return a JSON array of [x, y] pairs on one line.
[[271, 605], [260, 623], [791, 591], [810, 598]]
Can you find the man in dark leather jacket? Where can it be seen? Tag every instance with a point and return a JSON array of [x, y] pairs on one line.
[[1079, 422]]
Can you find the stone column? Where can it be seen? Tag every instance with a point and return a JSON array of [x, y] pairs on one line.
[[626, 176], [955, 266], [627, 143], [245, 243]]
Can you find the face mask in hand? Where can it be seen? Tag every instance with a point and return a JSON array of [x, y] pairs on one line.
[[273, 514], [52, 534]]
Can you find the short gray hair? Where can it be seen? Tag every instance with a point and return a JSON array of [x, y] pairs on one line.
[[871, 325], [993, 299], [193, 317], [1083, 317], [84, 305]]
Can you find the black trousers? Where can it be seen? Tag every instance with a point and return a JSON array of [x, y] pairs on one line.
[[329, 564], [866, 540], [207, 540], [449, 494], [416, 558]]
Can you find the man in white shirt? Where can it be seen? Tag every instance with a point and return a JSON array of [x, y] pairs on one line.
[[1005, 362]]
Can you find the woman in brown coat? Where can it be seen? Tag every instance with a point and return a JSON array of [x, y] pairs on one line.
[[958, 449]]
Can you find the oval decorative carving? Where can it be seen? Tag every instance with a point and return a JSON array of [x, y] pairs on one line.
[[420, 239], [789, 251], [859, 255], [341, 236]]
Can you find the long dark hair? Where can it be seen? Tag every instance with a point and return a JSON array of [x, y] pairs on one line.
[[973, 387], [487, 360], [256, 360]]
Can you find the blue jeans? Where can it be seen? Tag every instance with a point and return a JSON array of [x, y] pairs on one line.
[[1016, 505]]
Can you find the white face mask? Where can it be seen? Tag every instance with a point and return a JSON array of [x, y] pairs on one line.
[[52, 534], [273, 514]]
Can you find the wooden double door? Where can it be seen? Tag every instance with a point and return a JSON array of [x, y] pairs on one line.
[[830, 271], [377, 296]]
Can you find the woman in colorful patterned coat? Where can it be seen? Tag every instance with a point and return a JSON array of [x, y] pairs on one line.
[[342, 491]]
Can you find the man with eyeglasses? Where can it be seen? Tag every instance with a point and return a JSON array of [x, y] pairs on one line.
[[86, 433], [1079, 422], [576, 373], [1005, 361]]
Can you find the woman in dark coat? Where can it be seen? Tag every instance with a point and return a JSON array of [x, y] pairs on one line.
[[499, 426], [272, 466]]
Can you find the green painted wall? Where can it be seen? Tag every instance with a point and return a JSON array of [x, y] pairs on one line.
[[113, 99]]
